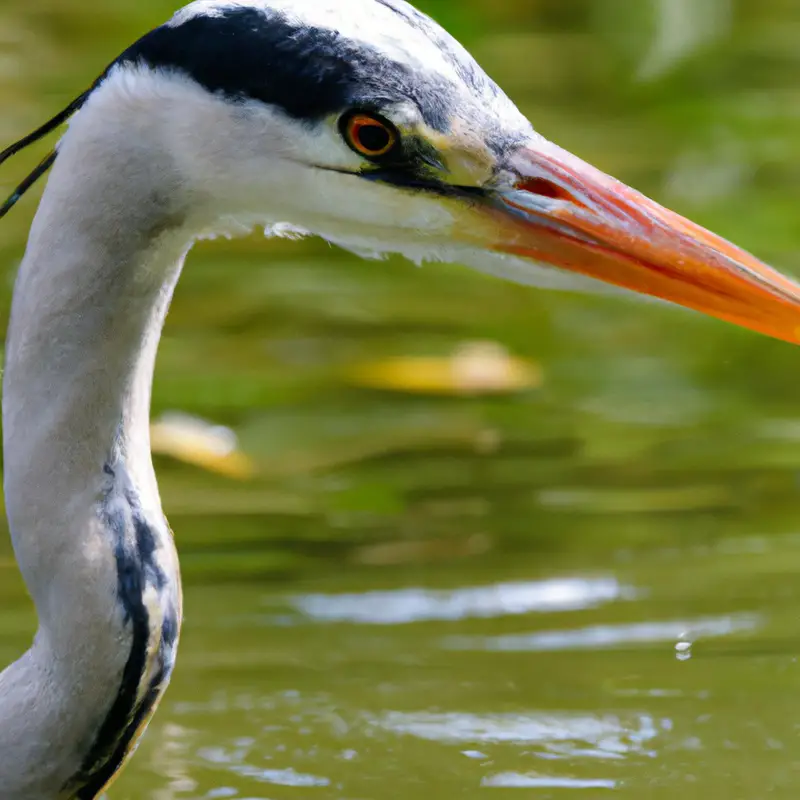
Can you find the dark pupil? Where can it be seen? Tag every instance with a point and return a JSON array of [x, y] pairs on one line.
[[374, 138]]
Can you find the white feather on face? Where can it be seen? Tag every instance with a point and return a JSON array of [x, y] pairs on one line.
[[246, 160]]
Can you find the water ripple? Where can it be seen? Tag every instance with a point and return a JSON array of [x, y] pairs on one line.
[[559, 735], [603, 636], [516, 780], [400, 606], [234, 761]]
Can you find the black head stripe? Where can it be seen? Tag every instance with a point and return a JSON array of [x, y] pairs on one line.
[[309, 73], [243, 54]]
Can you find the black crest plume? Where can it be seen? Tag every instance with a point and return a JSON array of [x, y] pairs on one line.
[[47, 162]]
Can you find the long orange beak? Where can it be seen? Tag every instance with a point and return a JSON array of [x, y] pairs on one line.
[[565, 213]]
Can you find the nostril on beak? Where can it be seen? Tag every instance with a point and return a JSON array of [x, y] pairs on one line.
[[546, 188]]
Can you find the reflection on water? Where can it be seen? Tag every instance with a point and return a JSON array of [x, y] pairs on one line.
[[235, 761], [604, 636], [558, 735], [513, 780], [415, 604]]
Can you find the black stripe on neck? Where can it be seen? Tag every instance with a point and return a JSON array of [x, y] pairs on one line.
[[137, 569]]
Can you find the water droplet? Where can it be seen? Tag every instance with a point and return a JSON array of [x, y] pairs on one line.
[[683, 651]]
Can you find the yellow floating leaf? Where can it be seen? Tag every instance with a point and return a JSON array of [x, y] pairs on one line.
[[475, 368], [203, 444]]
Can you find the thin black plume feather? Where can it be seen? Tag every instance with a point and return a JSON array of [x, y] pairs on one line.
[[44, 165]]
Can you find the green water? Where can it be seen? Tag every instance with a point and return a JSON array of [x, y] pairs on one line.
[[606, 599]]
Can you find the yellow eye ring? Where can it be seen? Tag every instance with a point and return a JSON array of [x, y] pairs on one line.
[[368, 135]]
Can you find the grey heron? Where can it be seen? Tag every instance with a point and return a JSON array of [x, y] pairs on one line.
[[360, 121]]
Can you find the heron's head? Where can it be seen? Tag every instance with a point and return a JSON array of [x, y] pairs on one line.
[[364, 122]]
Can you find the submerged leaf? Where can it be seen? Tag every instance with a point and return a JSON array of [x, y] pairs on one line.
[[203, 444], [475, 368]]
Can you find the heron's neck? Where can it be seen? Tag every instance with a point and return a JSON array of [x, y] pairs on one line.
[[88, 307], [104, 255]]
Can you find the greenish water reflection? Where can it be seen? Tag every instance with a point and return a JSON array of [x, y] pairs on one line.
[[567, 548]]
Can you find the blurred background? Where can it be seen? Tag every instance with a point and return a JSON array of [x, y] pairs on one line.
[[443, 534]]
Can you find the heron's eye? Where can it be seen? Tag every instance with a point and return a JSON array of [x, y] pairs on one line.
[[368, 135]]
